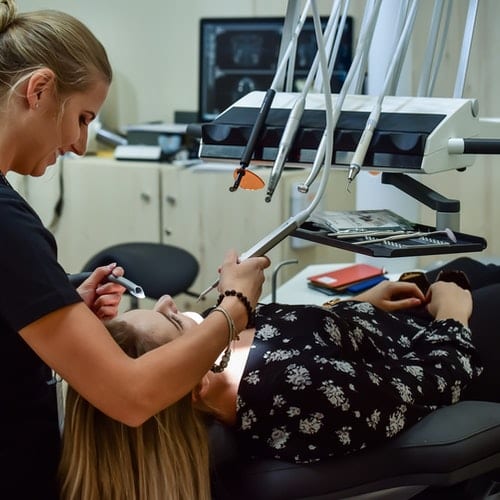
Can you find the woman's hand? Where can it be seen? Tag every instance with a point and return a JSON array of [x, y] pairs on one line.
[[246, 277], [393, 296], [102, 297], [447, 300]]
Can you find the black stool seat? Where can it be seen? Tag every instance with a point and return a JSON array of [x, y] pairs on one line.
[[159, 269]]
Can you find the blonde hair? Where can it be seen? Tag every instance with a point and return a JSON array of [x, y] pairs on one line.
[[48, 39], [102, 459]]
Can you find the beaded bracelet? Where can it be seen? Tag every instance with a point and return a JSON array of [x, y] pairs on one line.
[[218, 368], [245, 302]]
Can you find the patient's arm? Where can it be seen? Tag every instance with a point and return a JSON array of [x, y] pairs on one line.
[[445, 300], [393, 296], [448, 300]]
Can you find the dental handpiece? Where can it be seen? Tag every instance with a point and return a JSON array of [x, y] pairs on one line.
[[364, 143], [78, 278], [291, 127], [262, 247]]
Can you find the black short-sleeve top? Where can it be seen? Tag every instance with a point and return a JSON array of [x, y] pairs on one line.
[[32, 284]]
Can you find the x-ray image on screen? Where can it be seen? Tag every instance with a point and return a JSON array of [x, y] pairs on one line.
[[240, 55]]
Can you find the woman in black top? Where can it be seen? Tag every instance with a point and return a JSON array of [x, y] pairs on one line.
[[54, 77]]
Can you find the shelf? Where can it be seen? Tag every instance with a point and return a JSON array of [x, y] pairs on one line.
[[435, 245]]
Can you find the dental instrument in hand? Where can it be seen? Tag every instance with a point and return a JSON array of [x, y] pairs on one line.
[[265, 244], [77, 279], [276, 236]]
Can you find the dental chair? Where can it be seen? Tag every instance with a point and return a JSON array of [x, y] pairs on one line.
[[452, 453]]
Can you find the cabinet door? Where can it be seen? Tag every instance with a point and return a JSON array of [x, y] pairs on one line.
[[106, 202]]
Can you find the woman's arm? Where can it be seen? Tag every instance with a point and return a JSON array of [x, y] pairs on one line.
[[76, 345], [447, 300], [393, 295]]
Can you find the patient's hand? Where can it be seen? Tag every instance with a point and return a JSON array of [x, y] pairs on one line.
[[447, 300], [393, 296]]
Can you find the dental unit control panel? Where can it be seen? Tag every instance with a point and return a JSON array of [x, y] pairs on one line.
[[412, 135]]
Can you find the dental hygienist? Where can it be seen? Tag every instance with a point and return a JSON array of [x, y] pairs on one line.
[[54, 77]]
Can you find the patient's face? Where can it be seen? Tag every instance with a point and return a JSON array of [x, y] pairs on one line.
[[164, 321]]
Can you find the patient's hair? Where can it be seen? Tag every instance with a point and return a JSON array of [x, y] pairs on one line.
[[103, 459]]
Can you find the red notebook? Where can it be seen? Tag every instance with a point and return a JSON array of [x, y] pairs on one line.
[[341, 278]]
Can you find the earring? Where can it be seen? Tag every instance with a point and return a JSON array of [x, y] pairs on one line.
[[37, 105]]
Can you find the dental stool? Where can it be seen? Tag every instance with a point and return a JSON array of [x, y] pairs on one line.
[[159, 269], [452, 453]]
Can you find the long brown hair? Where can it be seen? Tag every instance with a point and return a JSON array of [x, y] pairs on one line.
[[103, 459]]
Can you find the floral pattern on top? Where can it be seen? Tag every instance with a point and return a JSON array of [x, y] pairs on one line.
[[326, 382]]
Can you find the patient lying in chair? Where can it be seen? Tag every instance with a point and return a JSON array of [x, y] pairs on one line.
[[307, 383]]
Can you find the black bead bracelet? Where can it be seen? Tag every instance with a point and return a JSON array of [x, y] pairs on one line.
[[244, 300]]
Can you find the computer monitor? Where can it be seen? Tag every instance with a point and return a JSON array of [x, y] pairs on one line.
[[239, 55]]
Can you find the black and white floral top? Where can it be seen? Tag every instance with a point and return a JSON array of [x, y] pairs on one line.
[[324, 382]]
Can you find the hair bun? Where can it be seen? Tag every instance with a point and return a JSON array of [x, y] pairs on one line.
[[8, 12]]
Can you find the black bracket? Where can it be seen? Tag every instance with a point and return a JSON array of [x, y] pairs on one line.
[[447, 210]]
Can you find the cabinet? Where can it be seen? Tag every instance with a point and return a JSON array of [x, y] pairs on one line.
[[104, 202]]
